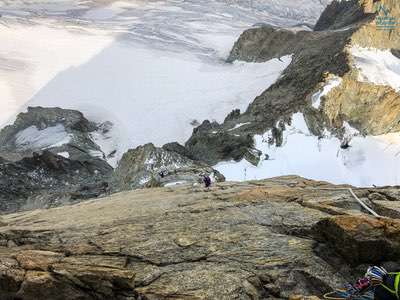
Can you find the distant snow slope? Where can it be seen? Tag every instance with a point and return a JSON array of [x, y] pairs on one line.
[[372, 160], [150, 67]]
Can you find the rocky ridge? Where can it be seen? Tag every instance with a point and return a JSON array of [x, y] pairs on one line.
[[318, 57], [51, 158], [270, 239]]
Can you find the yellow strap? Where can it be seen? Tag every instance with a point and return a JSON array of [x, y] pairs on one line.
[[396, 284], [389, 289]]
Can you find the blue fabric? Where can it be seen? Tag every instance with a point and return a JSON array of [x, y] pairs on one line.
[[367, 296]]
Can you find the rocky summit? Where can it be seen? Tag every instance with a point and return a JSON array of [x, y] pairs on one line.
[[272, 239]]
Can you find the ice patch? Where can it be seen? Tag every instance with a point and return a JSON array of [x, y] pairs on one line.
[[372, 160], [144, 180], [330, 85], [107, 139], [377, 66], [239, 125], [33, 138], [175, 183], [63, 154], [97, 154]]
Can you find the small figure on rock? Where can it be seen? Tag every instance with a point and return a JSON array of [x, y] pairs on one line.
[[162, 173], [207, 181]]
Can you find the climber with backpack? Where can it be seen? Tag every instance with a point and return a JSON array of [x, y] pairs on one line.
[[386, 285], [378, 284], [207, 181]]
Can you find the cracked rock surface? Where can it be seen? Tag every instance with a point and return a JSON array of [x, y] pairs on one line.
[[253, 240]]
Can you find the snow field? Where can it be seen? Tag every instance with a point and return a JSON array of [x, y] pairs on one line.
[[372, 160]]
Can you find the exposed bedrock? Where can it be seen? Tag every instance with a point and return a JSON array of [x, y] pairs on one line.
[[253, 240]]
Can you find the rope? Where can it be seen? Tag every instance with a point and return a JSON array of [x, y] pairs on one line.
[[363, 204], [370, 210]]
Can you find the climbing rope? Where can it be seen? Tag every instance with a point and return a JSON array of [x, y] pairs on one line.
[[370, 210]]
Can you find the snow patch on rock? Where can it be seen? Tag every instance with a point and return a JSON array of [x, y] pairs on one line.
[[330, 85], [377, 66], [63, 154], [239, 125], [33, 138]]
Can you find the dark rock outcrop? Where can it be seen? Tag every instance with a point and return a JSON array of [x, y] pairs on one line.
[[48, 180], [362, 239], [150, 166], [267, 42], [49, 158], [396, 52], [60, 131], [178, 148], [211, 143], [339, 14]]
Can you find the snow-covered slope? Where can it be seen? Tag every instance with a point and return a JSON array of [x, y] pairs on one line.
[[372, 160], [380, 67], [152, 68]]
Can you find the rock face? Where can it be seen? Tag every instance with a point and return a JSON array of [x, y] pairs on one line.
[[396, 52], [318, 57], [60, 131], [339, 14], [48, 180], [48, 159], [363, 239], [266, 42], [254, 240], [149, 166], [211, 144]]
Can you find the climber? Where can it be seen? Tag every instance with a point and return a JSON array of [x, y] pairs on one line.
[[384, 285], [207, 181]]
